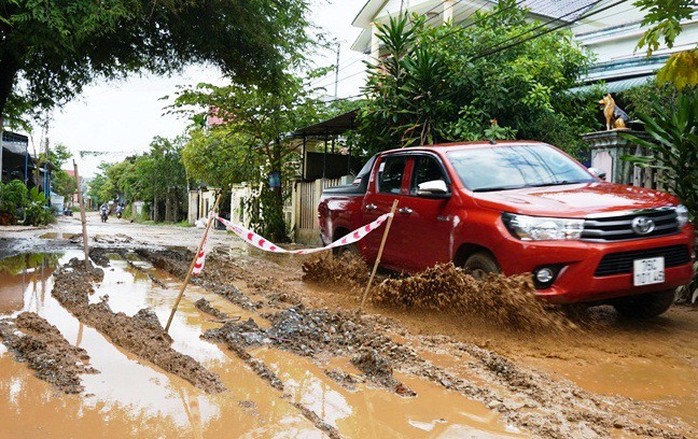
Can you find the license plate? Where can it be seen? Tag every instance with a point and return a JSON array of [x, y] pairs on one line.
[[648, 271]]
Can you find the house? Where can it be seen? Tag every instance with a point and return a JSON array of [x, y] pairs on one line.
[[74, 201], [330, 166], [15, 161], [610, 29]]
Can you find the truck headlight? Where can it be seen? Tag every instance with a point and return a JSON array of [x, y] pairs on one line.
[[538, 228], [681, 215]]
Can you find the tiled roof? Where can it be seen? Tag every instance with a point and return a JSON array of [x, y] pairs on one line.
[[566, 10]]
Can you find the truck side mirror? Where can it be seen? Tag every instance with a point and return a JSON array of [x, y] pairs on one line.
[[433, 189], [597, 172]]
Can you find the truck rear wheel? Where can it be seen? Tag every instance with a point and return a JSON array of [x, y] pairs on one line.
[[479, 265], [645, 306]]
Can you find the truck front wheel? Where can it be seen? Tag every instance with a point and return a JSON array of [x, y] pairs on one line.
[[479, 265], [645, 306]]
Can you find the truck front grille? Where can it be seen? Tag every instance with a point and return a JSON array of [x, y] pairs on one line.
[[619, 227], [622, 263]]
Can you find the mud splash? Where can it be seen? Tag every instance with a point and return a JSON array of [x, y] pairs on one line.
[[507, 302], [141, 334], [348, 270], [46, 351]]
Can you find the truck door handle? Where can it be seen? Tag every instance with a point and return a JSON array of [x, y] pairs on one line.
[[371, 207], [406, 210]]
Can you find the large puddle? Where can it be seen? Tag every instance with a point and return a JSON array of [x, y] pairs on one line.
[[131, 397]]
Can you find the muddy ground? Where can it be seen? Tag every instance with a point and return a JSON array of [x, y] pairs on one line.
[[256, 351]]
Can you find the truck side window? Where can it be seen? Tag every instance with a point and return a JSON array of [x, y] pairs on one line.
[[425, 169], [390, 179]]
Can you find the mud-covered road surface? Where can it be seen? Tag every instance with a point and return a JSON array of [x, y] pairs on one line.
[[256, 351]]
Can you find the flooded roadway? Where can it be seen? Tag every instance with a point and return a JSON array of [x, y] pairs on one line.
[[648, 368], [131, 397]]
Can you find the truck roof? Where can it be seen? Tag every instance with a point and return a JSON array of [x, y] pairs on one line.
[[444, 147]]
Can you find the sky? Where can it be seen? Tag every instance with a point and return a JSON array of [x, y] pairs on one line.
[[120, 118]]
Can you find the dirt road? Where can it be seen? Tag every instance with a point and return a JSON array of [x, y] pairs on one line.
[[294, 359]]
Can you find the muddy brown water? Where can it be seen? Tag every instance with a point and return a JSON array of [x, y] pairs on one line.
[[651, 362], [131, 397], [59, 235]]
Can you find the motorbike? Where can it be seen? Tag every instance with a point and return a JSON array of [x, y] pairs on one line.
[[104, 214]]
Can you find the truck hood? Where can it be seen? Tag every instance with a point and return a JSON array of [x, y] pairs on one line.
[[574, 201]]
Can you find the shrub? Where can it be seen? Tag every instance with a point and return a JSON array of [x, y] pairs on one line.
[[36, 213], [13, 197], [673, 147], [674, 151]]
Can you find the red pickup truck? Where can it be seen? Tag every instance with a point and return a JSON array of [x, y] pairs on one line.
[[520, 207]]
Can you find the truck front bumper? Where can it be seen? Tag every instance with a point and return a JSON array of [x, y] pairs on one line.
[[599, 271]]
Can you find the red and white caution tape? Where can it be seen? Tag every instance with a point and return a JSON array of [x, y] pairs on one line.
[[200, 259], [205, 248], [257, 241]]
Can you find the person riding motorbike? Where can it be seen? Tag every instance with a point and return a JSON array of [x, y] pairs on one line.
[[104, 212], [119, 210]]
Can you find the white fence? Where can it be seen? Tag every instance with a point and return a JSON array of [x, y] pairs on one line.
[[305, 201]]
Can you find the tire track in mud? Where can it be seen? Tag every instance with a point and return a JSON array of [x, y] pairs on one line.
[[176, 262], [141, 334], [172, 261], [46, 351]]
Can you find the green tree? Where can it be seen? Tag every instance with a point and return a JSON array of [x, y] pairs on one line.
[[62, 183], [157, 177], [664, 17], [95, 189], [52, 49], [251, 144], [449, 83], [219, 157]]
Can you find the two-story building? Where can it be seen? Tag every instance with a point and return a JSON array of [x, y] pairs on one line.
[[610, 29]]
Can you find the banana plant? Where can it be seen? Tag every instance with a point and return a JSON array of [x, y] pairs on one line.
[[673, 147]]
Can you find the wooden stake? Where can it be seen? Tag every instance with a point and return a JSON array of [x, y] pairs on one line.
[[82, 218], [380, 253], [191, 266]]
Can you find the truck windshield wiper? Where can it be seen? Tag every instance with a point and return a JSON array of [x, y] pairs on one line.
[[498, 188], [556, 183]]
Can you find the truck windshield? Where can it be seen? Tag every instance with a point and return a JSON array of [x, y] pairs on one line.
[[495, 168]]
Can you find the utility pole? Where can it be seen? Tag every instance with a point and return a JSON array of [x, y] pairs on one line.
[[82, 218], [336, 73], [2, 147], [47, 189]]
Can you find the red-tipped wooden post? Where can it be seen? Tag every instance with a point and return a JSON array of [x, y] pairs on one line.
[[380, 253], [191, 266], [82, 218]]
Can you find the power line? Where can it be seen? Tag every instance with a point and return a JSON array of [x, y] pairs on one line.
[[518, 3], [360, 56], [499, 48]]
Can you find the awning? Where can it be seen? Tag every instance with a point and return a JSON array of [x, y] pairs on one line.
[[13, 142], [617, 86], [335, 126]]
